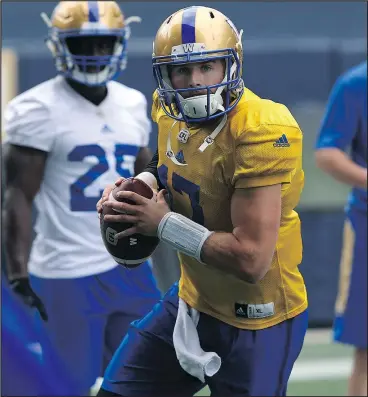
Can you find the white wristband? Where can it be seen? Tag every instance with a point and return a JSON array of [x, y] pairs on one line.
[[183, 234], [148, 178]]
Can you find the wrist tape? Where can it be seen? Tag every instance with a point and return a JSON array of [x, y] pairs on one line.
[[183, 234]]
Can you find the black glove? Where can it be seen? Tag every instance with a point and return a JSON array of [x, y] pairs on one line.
[[23, 289]]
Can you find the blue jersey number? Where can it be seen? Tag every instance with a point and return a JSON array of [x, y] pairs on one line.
[[125, 158], [182, 185]]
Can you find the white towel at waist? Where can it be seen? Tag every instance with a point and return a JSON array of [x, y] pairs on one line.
[[192, 358]]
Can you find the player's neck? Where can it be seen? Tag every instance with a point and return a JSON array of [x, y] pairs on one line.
[[93, 94]]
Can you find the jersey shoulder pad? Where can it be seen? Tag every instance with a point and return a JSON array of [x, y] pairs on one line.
[[155, 106], [355, 78], [127, 96], [28, 120], [135, 103], [268, 144], [262, 119]]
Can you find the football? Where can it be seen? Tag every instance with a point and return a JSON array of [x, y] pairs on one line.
[[133, 250]]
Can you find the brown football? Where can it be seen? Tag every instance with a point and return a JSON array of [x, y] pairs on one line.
[[133, 250]]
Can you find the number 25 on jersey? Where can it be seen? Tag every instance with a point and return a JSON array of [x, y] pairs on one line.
[[125, 158]]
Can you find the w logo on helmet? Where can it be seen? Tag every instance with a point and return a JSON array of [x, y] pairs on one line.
[[188, 47]]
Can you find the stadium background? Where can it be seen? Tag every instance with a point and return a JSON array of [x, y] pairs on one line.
[[293, 53]]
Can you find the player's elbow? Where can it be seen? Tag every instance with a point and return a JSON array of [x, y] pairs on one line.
[[326, 158], [255, 273], [253, 264], [17, 197]]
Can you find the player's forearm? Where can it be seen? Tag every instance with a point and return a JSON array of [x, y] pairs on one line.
[[245, 260], [17, 217], [337, 164]]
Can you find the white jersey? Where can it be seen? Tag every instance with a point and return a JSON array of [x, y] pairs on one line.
[[88, 148]]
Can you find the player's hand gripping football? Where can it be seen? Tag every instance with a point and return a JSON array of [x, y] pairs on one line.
[[24, 290], [107, 191], [145, 214]]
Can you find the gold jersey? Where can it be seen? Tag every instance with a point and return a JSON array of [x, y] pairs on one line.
[[260, 145]]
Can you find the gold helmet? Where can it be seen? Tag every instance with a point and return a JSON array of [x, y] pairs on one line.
[[88, 40], [192, 35]]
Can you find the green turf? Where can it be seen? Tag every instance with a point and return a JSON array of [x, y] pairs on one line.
[[330, 387], [331, 350], [204, 392]]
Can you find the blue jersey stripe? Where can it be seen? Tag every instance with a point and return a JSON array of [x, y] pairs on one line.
[[188, 25], [93, 13]]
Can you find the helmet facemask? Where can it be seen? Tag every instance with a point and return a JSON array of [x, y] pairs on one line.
[[201, 107], [89, 57]]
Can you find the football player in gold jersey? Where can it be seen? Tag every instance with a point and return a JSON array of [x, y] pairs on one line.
[[231, 164]]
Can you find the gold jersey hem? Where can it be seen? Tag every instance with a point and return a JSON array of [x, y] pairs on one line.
[[244, 324]]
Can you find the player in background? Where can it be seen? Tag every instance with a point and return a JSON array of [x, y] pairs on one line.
[[231, 163], [345, 126], [66, 138], [23, 369]]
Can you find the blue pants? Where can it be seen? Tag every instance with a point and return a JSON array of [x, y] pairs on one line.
[[350, 325], [89, 316], [254, 363]]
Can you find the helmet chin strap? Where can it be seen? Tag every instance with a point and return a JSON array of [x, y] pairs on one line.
[[207, 141], [91, 78], [216, 103], [196, 107]]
